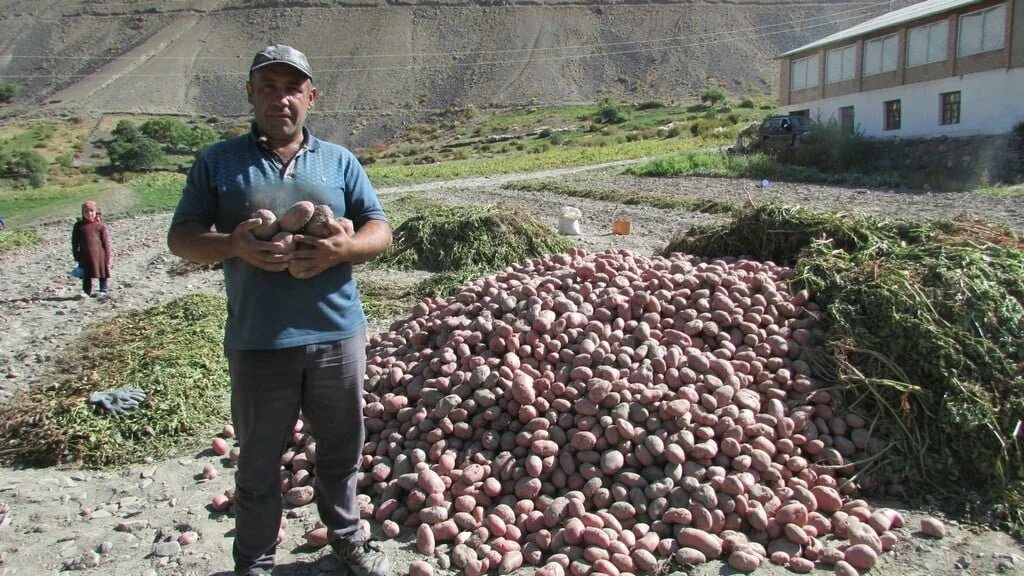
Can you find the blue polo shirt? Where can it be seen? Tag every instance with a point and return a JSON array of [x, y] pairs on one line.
[[266, 310]]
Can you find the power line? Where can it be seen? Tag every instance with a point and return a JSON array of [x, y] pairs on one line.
[[863, 8], [481, 63]]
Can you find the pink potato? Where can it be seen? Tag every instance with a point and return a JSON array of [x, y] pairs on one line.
[[268, 225], [317, 537], [296, 217], [317, 225]]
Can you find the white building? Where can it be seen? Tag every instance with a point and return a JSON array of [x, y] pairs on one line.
[[940, 67]]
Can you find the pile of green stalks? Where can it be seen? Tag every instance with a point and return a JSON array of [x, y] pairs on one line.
[[925, 334], [445, 239], [172, 352]]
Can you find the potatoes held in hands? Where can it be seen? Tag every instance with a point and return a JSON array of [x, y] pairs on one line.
[[296, 218], [268, 225], [318, 223], [286, 238]]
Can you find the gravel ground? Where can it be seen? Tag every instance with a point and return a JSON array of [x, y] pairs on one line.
[[119, 521]]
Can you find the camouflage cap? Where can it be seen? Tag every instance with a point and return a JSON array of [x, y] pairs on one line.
[[281, 54]]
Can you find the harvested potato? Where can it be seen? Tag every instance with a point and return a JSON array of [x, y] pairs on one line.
[[317, 225], [295, 219], [285, 238], [268, 224]]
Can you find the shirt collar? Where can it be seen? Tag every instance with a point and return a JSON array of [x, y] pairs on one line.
[[309, 142]]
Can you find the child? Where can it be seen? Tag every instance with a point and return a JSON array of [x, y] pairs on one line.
[[90, 246]]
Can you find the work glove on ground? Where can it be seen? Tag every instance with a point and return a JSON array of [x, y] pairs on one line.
[[117, 401]]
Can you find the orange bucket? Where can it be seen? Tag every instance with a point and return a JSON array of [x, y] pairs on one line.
[[620, 227]]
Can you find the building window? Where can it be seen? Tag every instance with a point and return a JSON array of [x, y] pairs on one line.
[[880, 55], [950, 107], [982, 31], [892, 115], [927, 44], [846, 119], [804, 73], [840, 64]]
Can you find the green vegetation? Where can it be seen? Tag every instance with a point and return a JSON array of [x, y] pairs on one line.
[[13, 239], [457, 144], [610, 112], [27, 164], [30, 153], [557, 157], [926, 333], [173, 352], [758, 166], [29, 206], [8, 91], [133, 151], [158, 143], [462, 238], [157, 192], [1004, 191], [664, 201], [713, 96], [383, 300]]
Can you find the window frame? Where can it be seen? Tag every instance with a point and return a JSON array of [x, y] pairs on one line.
[[950, 108], [806, 60], [892, 115], [852, 48], [881, 40], [929, 30], [961, 52]]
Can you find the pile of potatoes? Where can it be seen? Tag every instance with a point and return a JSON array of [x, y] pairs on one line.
[[601, 413], [604, 413]]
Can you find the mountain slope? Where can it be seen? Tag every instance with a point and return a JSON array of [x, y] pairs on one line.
[[376, 60]]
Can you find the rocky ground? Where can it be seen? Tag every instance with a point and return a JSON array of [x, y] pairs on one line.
[[128, 521]]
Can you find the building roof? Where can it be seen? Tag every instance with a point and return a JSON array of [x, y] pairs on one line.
[[894, 18]]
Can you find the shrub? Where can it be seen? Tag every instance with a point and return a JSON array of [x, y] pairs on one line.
[[746, 103], [25, 164], [9, 91], [712, 96], [559, 139], [649, 105], [610, 112]]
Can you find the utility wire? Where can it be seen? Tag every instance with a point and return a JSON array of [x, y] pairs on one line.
[[862, 9], [481, 63]]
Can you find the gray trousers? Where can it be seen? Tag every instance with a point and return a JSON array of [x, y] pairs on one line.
[[268, 388]]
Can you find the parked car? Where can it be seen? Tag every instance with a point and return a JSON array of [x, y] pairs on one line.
[[784, 131]]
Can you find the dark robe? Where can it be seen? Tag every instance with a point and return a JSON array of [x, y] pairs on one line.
[[90, 245]]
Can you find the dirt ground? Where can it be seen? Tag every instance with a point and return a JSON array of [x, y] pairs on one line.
[[126, 521]]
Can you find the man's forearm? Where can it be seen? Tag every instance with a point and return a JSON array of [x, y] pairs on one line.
[[193, 242], [372, 238]]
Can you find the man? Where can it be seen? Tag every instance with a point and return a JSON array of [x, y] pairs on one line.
[[295, 335]]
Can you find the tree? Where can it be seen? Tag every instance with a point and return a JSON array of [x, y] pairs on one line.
[[713, 96], [35, 167], [126, 130], [136, 155], [25, 164], [9, 91]]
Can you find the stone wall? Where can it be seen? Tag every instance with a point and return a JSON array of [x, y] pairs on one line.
[[970, 160]]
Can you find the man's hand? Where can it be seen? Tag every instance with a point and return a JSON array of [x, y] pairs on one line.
[[318, 254], [269, 256]]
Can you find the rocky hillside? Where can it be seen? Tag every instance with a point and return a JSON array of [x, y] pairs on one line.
[[381, 63]]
